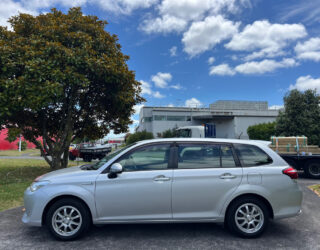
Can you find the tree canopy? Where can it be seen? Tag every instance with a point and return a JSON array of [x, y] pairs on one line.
[[139, 136], [301, 116], [63, 76]]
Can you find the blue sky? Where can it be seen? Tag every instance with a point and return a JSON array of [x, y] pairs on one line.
[[192, 53]]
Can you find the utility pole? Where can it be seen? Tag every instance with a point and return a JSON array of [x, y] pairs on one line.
[[20, 143]]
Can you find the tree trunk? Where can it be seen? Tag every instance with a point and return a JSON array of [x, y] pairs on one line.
[[57, 153]]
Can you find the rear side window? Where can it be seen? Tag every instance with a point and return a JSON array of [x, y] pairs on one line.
[[193, 156], [250, 155]]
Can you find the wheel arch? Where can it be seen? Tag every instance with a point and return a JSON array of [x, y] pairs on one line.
[[52, 201], [251, 195]]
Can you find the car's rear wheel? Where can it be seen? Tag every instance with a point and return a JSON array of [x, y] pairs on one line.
[[71, 157], [247, 217], [68, 218], [87, 158], [312, 169]]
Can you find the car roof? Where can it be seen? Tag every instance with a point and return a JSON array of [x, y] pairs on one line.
[[251, 142]]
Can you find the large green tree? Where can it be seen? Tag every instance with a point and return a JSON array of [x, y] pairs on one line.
[[301, 116], [63, 76]]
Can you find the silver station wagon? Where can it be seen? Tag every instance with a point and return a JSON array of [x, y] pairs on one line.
[[241, 183]]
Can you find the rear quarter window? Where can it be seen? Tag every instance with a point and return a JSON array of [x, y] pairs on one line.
[[250, 155]]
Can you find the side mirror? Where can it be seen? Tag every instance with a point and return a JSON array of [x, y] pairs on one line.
[[115, 169]]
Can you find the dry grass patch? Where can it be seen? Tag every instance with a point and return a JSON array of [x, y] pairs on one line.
[[316, 189]]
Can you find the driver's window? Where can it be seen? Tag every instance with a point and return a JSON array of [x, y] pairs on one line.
[[153, 157]]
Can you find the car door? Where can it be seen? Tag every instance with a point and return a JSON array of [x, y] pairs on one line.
[[205, 175], [142, 191]]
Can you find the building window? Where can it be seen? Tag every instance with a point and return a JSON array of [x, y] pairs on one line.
[[176, 118], [159, 117], [147, 119], [188, 118]]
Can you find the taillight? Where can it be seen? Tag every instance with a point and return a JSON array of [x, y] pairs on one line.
[[291, 172]]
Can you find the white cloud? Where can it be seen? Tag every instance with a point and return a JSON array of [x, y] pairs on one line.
[[306, 82], [265, 66], [173, 51], [122, 6], [308, 11], [161, 79], [147, 89], [266, 39], [193, 103], [176, 86], [175, 15], [222, 70], [170, 105], [10, 8], [40, 4], [137, 108], [211, 60], [158, 95], [276, 107], [309, 50], [164, 24], [204, 35], [134, 121]]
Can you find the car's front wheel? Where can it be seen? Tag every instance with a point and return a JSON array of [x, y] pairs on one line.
[[68, 218], [247, 217]]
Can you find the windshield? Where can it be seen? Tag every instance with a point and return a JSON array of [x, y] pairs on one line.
[[184, 133], [108, 157]]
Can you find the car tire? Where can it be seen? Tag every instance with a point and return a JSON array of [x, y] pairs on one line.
[[68, 219], [247, 217], [87, 158], [312, 169], [71, 157]]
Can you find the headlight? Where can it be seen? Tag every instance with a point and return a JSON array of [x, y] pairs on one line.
[[38, 184]]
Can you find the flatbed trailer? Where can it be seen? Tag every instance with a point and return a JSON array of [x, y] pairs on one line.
[[88, 153], [310, 164]]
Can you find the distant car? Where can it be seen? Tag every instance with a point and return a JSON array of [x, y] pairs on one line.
[[241, 183]]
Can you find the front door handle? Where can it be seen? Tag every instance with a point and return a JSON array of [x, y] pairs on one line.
[[161, 178], [227, 176]]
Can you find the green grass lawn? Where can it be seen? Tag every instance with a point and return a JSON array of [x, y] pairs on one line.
[[16, 175], [316, 189], [31, 152]]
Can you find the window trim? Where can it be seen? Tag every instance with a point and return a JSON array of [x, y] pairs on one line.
[[246, 166], [176, 158], [170, 144]]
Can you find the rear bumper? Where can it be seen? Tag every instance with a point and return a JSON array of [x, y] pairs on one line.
[[290, 204], [288, 215]]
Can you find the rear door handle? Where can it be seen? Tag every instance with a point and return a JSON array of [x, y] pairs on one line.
[[227, 176], [161, 178]]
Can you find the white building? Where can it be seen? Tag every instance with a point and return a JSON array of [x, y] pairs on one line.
[[231, 118]]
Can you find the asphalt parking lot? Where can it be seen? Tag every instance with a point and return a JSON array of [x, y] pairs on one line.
[[302, 232]]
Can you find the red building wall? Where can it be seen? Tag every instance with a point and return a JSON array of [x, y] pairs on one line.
[[5, 145]]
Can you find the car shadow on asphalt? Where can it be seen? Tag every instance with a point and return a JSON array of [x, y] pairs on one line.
[[178, 232]]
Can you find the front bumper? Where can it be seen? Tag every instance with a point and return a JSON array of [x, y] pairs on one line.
[[34, 203]]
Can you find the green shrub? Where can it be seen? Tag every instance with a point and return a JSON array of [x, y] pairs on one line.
[[262, 131], [169, 133], [139, 136]]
